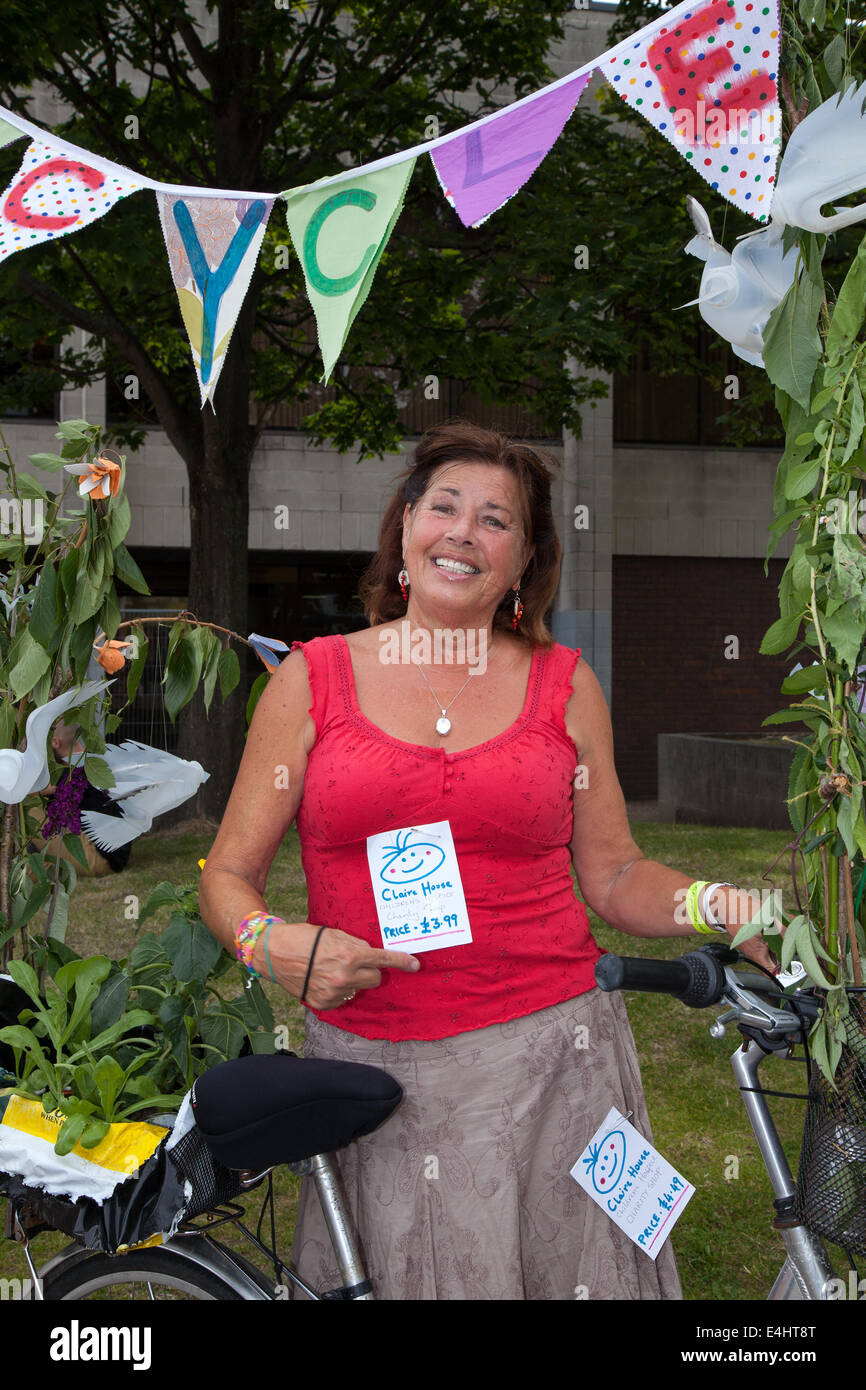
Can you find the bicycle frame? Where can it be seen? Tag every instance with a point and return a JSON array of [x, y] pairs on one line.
[[249, 1283], [807, 1270]]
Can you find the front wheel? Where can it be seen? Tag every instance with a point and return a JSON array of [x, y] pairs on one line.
[[141, 1275]]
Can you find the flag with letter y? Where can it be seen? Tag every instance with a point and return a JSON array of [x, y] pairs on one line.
[[213, 245], [339, 234]]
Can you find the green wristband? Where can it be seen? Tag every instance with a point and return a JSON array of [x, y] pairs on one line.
[[267, 957], [692, 910]]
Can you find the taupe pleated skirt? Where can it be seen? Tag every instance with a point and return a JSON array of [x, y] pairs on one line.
[[465, 1192]]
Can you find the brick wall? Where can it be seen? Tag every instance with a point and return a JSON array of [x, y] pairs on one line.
[[671, 619]]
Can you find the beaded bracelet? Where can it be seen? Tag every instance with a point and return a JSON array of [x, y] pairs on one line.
[[246, 936]]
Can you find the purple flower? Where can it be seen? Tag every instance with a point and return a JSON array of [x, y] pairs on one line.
[[64, 808]]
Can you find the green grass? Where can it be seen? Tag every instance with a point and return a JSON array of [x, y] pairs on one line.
[[725, 1246]]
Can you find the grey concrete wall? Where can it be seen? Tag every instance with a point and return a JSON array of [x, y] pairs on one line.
[[675, 500], [582, 614], [709, 780]]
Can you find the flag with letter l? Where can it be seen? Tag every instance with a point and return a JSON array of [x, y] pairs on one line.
[[480, 170]]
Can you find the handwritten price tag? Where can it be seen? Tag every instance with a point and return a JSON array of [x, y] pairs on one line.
[[417, 888], [629, 1179]]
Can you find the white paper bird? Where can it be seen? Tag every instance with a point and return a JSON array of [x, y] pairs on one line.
[[740, 289], [824, 162], [147, 783], [23, 773]]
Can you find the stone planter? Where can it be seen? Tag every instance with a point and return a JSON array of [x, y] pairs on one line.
[[724, 779]]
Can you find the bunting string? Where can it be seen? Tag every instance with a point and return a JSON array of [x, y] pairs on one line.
[[704, 75]]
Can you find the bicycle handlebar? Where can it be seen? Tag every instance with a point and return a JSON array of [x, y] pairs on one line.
[[697, 979], [705, 977]]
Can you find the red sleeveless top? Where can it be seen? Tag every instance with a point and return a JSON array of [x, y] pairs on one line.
[[509, 805]]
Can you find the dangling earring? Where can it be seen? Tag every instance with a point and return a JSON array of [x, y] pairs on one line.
[[518, 610], [403, 580]]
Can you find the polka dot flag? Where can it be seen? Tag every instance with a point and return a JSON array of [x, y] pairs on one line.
[[707, 81], [54, 193]]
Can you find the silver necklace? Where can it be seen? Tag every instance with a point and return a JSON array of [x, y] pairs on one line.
[[443, 723]]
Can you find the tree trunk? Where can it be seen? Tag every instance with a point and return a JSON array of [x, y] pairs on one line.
[[219, 569]]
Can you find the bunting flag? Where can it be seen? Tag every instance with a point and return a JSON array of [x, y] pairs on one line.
[[54, 193], [339, 237], [213, 245], [706, 79], [704, 74], [481, 169], [8, 133]]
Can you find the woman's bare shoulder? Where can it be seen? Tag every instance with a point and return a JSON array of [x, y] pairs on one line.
[[586, 713], [367, 640], [285, 702]]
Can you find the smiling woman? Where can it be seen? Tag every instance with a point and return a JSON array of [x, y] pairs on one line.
[[445, 943]]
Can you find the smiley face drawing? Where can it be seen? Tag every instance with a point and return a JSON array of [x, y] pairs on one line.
[[406, 861], [606, 1161]]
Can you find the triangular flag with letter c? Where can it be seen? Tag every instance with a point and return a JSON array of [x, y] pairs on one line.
[[339, 234]]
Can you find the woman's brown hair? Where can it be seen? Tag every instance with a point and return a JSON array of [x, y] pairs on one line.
[[461, 441]]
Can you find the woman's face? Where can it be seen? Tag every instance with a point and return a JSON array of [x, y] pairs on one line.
[[463, 543]]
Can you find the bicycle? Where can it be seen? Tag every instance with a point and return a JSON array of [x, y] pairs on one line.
[[771, 1023], [229, 1105], [252, 1115]]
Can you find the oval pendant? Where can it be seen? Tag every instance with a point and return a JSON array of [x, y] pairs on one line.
[[443, 725]]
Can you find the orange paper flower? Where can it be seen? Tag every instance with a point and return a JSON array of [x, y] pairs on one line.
[[112, 655], [101, 477]]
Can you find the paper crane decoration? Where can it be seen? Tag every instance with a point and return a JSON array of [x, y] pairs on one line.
[[147, 783], [23, 773], [740, 289], [824, 160]]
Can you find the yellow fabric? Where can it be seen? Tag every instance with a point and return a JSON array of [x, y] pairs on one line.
[[123, 1150], [158, 1239]]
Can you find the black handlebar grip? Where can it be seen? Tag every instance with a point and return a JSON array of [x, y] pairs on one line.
[[697, 979], [650, 976]]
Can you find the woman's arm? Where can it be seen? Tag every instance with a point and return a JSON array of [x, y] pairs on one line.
[[632, 893], [263, 804]]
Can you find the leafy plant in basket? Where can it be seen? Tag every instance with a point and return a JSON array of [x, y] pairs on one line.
[[107, 1041]]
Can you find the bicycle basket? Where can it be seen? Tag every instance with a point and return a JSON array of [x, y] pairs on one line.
[[105, 1210], [831, 1183]]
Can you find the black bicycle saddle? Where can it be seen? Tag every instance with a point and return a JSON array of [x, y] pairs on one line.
[[258, 1111]]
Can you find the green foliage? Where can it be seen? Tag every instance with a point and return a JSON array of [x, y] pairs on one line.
[[105, 1040], [65, 594], [109, 1040], [815, 354]]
